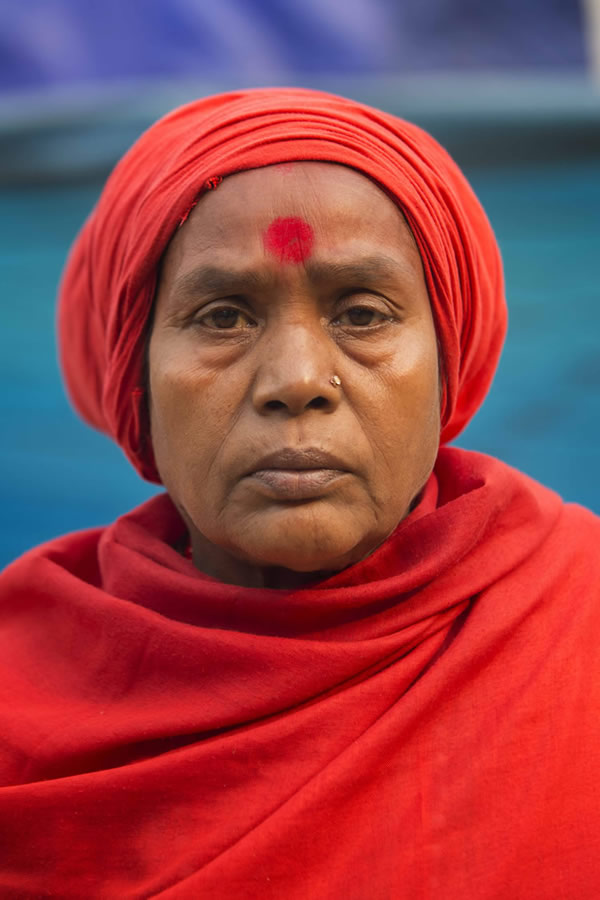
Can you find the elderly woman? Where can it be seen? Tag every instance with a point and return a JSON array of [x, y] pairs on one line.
[[337, 658]]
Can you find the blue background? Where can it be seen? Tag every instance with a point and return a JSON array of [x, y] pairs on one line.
[[504, 84], [542, 415], [58, 42]]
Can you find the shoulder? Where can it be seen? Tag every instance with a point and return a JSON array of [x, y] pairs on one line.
[[519, 518], [73, 555], [87, 557], [460, 471]]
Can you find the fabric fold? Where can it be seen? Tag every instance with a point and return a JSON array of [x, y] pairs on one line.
[[188, 738]]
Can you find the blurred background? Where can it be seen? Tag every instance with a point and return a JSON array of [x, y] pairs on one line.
[[511, 88]]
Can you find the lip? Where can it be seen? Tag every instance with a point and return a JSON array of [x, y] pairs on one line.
[[299, 459], [297, 474]]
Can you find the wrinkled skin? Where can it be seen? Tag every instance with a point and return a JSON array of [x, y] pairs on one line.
[[318, 275]]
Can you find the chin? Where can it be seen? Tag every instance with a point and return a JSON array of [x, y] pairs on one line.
[[293, 561], [305, 553], [302, 539]]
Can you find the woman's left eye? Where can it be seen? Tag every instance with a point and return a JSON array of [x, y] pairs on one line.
[[224, 318], [361, 315]]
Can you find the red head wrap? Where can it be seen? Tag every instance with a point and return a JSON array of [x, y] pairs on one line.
[[108, 286]]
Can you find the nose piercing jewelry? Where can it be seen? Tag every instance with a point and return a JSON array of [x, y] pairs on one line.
[[335, 381]]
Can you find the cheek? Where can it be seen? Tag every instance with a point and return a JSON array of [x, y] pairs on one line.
[[423, 409], [404, 417], [189, 420]]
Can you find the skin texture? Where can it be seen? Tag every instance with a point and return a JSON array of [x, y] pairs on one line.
[[318, 275]]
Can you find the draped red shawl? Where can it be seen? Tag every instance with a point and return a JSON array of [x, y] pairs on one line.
[[423, 725]]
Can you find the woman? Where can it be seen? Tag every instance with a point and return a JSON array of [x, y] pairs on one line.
[[337, 658]]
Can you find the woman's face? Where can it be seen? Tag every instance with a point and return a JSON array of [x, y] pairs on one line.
[[283, 282]]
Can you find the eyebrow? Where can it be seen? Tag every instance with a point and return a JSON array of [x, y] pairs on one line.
[[215, 279]]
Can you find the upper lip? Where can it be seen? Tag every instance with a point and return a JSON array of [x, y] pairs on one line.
[[300, 459]]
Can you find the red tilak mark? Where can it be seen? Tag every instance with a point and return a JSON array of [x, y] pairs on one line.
[[290, 240]]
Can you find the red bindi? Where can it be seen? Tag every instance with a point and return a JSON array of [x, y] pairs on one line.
[[289, 239]]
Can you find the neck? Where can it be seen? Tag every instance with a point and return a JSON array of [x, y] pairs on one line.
[[223, 567]]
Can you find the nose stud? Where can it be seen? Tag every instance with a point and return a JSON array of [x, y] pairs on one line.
[[335, 381]]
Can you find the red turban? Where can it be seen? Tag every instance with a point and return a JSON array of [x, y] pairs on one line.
[[109, 283]]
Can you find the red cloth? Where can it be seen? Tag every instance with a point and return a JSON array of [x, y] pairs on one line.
[[109, 282], [424, 725]]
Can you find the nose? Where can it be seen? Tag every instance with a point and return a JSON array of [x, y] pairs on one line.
[[295, 374]]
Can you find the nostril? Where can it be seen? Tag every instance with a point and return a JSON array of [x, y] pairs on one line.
[[275, 404], [318, 403]]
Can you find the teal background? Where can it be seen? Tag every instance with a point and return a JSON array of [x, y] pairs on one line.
[[542, 414]]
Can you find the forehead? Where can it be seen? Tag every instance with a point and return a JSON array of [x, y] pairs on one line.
[[290, 226], [311, 179], [337, 202]]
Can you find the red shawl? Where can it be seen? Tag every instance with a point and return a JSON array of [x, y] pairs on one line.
[[424, 725]]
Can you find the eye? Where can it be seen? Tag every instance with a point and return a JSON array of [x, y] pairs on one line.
[[224, 318], [364, 316]]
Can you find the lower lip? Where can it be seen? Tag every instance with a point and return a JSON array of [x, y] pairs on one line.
[[296, 484]]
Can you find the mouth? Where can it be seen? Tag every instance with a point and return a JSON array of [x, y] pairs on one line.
[[297, 474]]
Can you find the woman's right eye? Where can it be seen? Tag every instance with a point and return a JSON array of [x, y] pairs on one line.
[[225, 317]]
